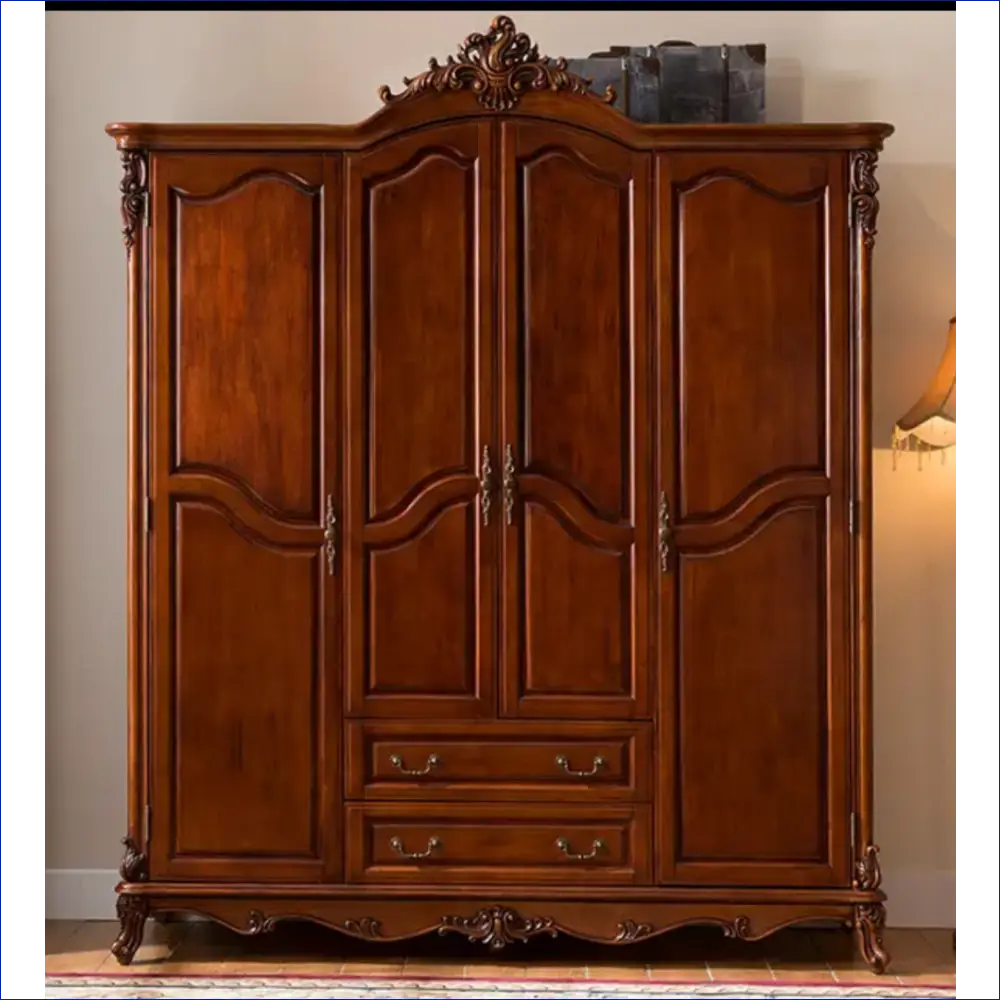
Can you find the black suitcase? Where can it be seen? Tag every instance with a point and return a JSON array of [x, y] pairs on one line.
[[681, 83]]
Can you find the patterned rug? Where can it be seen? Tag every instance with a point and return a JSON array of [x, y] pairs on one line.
[[129, 987]]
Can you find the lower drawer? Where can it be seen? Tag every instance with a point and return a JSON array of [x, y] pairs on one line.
[[425, 842]]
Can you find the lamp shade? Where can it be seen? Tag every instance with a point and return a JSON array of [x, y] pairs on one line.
[[929, 424]]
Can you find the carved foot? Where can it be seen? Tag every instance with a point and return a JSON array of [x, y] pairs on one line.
[[869, 921], [132, 912]]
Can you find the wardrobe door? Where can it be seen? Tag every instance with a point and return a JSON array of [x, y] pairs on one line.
[[575, 425], [244, 451], [422, 469], [753, 493]]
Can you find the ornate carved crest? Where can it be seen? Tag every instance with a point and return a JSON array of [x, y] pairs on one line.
[[134, 866], [499, 67], [498, 926], [134, 189], [867, 871], [864, 188]]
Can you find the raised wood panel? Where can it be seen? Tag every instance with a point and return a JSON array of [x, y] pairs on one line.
[[246, 286], [420, 247], [754, 480], [752, 315], [497, 843], [751, 656], [420, 582], [574, 415], [422, 610], [576, 608], [241, 691], [244, 441]]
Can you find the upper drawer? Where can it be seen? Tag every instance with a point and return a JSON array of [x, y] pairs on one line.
[[499, 760]]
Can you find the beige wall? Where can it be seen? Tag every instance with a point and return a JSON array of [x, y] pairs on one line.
[[325, 67]]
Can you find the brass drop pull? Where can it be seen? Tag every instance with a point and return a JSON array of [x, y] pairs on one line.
[[563, 762], [664, 534], [432, 762], [563, 844], [330, 535], [486, 486], [432, 845], [509, 483]]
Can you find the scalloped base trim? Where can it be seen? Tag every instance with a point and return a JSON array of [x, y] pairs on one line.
[[122, 987]]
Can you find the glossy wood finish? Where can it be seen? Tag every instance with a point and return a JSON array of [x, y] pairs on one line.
[[420, 579], [754, 602], [519, 761], [245, 659], [498, 843], [574, 370], [496, 437]]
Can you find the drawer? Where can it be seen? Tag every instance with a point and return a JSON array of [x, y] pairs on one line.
[[494, 761], [451, 842]]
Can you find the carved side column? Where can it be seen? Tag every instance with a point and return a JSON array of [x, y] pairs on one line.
[[132, 910], [869, 918]]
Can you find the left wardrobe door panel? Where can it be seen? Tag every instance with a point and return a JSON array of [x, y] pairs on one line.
[[245, 489], [421, 465]]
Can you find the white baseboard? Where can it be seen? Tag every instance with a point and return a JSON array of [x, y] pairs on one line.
[[916, 899], [80, 893], [919, 898]]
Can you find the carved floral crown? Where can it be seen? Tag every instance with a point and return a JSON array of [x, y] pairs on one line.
[[498, 67]]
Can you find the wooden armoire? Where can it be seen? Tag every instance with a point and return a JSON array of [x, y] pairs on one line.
[[499, 518]]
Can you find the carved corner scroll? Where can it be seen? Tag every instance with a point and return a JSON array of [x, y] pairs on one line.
[[867, 870], [135, 865], [134, 188], [498, 67], [498, 926], [864, 191]]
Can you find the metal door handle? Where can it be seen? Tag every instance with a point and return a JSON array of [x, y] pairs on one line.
[[563, 844], [664, 532], [509, 483], [486, 486], [432, 762], [432, 845], [330, 535]]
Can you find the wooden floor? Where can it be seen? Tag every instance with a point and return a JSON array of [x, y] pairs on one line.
[[793, 956]]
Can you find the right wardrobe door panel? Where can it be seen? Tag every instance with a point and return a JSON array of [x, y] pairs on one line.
[[575, 425], [753, 491]]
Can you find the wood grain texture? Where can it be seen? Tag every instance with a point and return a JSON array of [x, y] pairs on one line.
[[574, 394], [516, 761], [420, 581], [753, 606]]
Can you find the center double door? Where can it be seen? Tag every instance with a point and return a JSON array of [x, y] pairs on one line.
[[497, 488]]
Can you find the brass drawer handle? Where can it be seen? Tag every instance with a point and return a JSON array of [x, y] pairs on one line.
[[563, 762], [432, 762], [563, 844], [432, 845]]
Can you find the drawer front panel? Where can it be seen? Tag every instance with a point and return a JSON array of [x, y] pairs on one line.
[[497, 761], [423, 842]]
